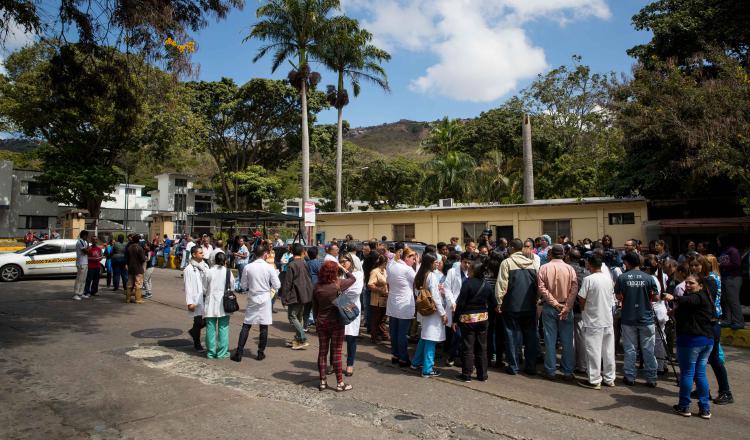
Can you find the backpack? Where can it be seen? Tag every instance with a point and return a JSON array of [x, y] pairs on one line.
[[424, 302]]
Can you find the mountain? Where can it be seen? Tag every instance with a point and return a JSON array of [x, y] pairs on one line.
[[402, 138], [18, 145]]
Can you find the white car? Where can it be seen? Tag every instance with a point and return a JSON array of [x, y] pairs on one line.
[[51, 257]]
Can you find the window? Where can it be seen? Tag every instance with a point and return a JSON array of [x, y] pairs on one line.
[[202, 207], [505, 232], [622, 218], [403, 232], [472, 231], [36, 222], [179, 226], [49, 249], [180, 202], [180, 183], [555, 228], [292, 208], [29, 187], [130, 191]]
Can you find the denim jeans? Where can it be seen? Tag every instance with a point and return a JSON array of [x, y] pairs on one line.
[[693, 362], [240, 269], [165, 263], [399, 338], [120, 273], [553, 327], [632, 335], [520, 331], [425, 356], [295, 313], [351, 350], [92, 282]]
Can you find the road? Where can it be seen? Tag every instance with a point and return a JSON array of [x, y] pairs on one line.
[[103, 369]]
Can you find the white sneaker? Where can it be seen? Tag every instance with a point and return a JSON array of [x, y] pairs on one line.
[[77, 297], [86, 296]]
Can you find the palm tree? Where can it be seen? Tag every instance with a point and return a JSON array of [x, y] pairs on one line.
[[449, 175], [348, 52], [444, 137], [294, 29]]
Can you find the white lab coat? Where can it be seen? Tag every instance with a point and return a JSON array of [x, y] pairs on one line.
[[452, 285], [214, 300], [433, 328], [330, 257], [400, 291], [354, 292], [258, 279], [194, 288]]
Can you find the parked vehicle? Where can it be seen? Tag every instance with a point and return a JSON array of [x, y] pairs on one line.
[[49, 258]]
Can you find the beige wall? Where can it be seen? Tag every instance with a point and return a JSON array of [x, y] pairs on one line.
[[588, 220]]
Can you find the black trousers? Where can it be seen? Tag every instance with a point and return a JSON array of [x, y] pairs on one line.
[[262, 343], [195, 331], [474, 345]]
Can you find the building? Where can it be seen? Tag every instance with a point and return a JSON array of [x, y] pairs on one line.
[[576, 218], [177, 193], [23, 202]]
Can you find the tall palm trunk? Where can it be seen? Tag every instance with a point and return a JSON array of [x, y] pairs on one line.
[[305, 148], [339, 142]]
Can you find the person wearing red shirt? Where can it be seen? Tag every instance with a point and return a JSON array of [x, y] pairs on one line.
[[91, 288]]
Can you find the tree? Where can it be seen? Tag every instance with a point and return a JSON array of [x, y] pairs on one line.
[[445, 136], [255, 124], [90, 110], [348, 52], [449, 175], [255, 184], [294, 29], [391, 184]]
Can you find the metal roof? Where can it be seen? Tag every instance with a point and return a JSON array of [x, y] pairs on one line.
[[248, 216]]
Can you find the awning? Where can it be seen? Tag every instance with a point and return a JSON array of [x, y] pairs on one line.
[[248, 216], [731, 222]]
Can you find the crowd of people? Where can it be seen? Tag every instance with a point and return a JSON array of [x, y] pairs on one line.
[[507, 304]]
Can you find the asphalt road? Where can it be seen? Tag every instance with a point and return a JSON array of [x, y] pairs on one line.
[[103, 369]]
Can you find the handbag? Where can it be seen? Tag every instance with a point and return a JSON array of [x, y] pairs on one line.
[[230, 299], [348, 310], [425, 303]]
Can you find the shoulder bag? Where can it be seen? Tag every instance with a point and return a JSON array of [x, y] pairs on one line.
[[348, 310], [230, 298]]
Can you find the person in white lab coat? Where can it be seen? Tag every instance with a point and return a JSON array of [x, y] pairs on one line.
[[217, 342], [195, 276], [433, 325], [456, 276], [400, 307], [351, 330], [258, 279]]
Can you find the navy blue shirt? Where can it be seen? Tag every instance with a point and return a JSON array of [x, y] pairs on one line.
[[636, 288]]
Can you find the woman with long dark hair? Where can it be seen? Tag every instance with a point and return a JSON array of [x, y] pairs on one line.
[[328, 325], [474, 302], [433, 325]]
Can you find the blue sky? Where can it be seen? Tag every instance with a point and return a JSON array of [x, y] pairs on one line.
[[480, 52]]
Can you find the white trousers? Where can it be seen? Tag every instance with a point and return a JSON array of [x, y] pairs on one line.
[[600, 353], [81, 273], [579, 342]]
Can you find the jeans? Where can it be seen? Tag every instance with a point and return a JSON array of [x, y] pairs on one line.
[[166, 258], [120, 273], [295, 313], [217, 345], [308, 315], [399, 340], [717, 364], [553, 327], [92, 282], [632, 335], [184, 259], [520, 331], [452, 345], [240, 269], [425, 355], [474, 346], [351, 350], [693, 362]]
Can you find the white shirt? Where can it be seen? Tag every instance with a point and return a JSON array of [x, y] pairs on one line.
[[82, 257], [400, 291], [599, 293], [212, 257], [246, 259], [258, 279], [194, 289], [207, 249], [330, 257], [354, 292], [458, 248], [214, 301], [432, 325]]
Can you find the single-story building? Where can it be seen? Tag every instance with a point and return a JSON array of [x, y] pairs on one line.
[[590, 217]]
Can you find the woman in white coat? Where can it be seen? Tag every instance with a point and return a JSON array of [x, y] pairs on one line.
[[217, 320], [351, 331], [258, 279], [433, 326]]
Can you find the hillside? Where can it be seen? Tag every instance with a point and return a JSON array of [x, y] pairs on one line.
[[402, 138]]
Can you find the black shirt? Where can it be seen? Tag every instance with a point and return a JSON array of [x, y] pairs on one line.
[[636, 287]]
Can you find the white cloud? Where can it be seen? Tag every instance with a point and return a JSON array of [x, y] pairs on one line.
[[15, 39], [481, 46]]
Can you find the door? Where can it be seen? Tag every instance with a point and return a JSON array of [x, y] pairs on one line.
[[504, 232], [45, 259], [68, 259]]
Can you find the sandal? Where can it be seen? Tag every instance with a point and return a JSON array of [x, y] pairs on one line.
[[323, 386], [348, 373], [343, 387]]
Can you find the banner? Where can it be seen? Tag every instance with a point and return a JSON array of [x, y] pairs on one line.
[[309, 213]]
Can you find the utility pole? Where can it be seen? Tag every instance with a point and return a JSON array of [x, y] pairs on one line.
[[528, 162]]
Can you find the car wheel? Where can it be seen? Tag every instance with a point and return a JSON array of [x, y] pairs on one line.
[[10, 272]]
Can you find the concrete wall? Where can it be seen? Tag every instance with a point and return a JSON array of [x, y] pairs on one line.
[[587, 220]]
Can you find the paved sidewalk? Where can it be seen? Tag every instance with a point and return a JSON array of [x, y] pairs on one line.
[[102, 369]]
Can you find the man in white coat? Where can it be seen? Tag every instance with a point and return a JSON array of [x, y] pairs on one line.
[[258, 278], [454, 279], [195, 276]]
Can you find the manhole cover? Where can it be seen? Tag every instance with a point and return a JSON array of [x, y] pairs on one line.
[[157, 333]]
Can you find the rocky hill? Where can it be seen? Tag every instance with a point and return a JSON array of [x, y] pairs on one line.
[[402, 138]]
